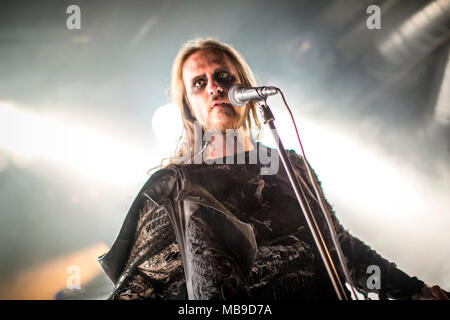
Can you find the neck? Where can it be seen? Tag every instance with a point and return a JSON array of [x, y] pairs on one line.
[[228, 144]]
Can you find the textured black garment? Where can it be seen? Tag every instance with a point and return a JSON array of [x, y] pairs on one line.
[[224, 231]]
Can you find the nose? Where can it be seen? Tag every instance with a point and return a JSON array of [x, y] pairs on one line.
[[214, 88]]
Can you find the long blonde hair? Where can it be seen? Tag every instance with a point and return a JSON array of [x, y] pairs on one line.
[[185, 147]]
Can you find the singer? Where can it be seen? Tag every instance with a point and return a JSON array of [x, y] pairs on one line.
[[206, 226]]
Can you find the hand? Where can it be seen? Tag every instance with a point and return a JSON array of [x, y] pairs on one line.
[[431, 293]]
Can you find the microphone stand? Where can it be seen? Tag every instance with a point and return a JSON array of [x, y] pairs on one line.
[[318, 239]]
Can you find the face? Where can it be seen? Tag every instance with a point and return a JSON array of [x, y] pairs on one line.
[[207, 77]]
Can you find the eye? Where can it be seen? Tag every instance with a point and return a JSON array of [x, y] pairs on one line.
[[199, 83], [224, 77]]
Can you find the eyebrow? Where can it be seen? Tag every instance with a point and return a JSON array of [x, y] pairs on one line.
[[215, 71]]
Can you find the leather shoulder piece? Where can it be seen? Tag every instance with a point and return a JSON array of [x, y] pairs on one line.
[[158, 188], [162, 185]]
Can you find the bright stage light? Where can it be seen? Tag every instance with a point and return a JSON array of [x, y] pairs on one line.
[[361, 176], [30, 137], [167, 126], [43, 281]]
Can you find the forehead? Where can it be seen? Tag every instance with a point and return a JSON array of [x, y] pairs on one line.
[[204, 61]]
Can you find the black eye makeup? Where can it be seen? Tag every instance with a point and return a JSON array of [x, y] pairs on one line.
[[223, 77]]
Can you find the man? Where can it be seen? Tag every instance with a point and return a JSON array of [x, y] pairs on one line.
[[208, 226]]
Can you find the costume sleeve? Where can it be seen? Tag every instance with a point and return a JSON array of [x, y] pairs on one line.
[[154, 268], [394, 283]]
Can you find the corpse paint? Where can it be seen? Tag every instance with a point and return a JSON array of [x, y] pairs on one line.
[[195, 310]]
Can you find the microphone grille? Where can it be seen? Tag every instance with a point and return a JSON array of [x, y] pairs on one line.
[[232, 95]]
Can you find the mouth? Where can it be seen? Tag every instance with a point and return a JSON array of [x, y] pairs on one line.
[[221, 104]]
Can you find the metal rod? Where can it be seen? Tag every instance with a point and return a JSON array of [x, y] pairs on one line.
[[318, 239]]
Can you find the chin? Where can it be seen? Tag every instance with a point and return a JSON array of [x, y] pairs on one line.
[[225, 124]]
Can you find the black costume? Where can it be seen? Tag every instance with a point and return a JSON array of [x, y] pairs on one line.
[[222, 231]]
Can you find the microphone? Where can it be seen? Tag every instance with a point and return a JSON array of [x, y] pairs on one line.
[[240, 95]]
